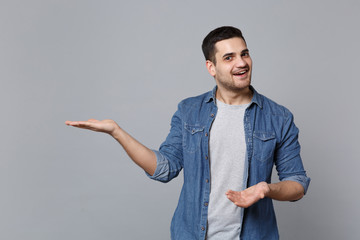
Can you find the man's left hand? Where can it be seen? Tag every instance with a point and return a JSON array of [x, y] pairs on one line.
[[249, 196]]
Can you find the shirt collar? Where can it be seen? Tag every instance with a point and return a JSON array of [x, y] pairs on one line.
[[257, 99], [211, 95]]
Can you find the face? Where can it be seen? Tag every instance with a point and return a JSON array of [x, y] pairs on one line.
[[232, 71]]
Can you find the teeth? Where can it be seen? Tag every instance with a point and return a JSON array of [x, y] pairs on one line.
[[242, 72]]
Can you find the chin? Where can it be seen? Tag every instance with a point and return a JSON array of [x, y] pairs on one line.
[[243, 85]]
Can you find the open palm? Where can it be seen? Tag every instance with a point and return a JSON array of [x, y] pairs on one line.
[[106, 126]]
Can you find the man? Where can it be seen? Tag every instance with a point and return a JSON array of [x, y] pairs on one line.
[[228, 138]]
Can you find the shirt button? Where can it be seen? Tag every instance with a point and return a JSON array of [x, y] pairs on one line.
[[206, 134], [206, 204], [206, 180], [212, 115], [202, 228], [206, 157]]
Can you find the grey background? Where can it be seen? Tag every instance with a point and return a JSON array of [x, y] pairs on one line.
[[133, 62]]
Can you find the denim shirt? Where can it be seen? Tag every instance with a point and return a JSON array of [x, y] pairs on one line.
[[271, 139]]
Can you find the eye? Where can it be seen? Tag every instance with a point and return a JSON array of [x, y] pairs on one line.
[[245, 54], [228, 58]]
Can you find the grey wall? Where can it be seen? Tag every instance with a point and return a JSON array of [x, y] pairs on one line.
[[133, 62]]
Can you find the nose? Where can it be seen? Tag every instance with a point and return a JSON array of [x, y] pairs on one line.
[[240, 62]]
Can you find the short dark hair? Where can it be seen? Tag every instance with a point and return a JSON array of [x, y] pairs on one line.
[[216, 35]]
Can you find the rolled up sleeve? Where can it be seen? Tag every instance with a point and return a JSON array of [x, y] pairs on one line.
[[288, 161], [169, 157]]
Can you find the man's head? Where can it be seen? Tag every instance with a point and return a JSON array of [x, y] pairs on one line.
[[228, 60], [216, 35]]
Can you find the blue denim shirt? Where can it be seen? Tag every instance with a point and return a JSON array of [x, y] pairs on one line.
[[271, 139]]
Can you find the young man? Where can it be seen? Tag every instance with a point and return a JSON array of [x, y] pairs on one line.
[[228, 138]]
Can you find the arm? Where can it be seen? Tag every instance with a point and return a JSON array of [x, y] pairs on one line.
[[141, 155], [282, 191], [285, 191], [293, 180]]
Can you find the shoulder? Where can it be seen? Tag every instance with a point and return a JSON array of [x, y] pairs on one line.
[[276, 115], [195, 109], [273, 108], [196, 101]]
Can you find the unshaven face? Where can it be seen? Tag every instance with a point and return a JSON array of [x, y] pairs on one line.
[[233, 65]]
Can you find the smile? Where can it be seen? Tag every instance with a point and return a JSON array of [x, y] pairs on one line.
[[241, 73]]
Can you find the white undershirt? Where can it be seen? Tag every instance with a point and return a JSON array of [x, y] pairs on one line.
[[227, 164]]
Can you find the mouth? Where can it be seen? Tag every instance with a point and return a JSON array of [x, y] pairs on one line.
[[241, 73]]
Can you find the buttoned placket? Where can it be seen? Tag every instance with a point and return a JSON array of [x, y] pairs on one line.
[[207, 179]]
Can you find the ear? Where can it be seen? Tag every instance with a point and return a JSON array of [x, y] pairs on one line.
[[211, 67]]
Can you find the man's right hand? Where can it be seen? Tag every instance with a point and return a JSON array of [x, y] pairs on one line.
[[140, 154], [107, 126]]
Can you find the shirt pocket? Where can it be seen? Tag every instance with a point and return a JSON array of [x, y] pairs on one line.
[[264, 145], [192, 137]]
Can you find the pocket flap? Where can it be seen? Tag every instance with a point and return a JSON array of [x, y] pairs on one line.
[[264, 136], [193, 129]]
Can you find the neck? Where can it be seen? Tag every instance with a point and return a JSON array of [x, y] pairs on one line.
[[239, 97]]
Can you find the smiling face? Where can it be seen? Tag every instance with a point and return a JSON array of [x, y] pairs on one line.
[[232, 70]]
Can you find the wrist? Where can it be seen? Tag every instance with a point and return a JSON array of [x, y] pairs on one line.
[[116, 132], [265, 189]]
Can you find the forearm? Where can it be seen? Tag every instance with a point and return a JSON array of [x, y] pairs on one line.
[[285, 191], [140, 154]]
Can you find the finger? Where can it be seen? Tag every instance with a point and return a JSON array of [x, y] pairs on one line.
[[79, 124], [93, 120], [70, 123], [84, 123], [229, 192], [231, 198]]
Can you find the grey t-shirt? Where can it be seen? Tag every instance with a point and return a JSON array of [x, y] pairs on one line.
[[227, 165]]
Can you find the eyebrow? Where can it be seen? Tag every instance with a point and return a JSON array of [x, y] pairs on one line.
[[228, 54], [232, 53]]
